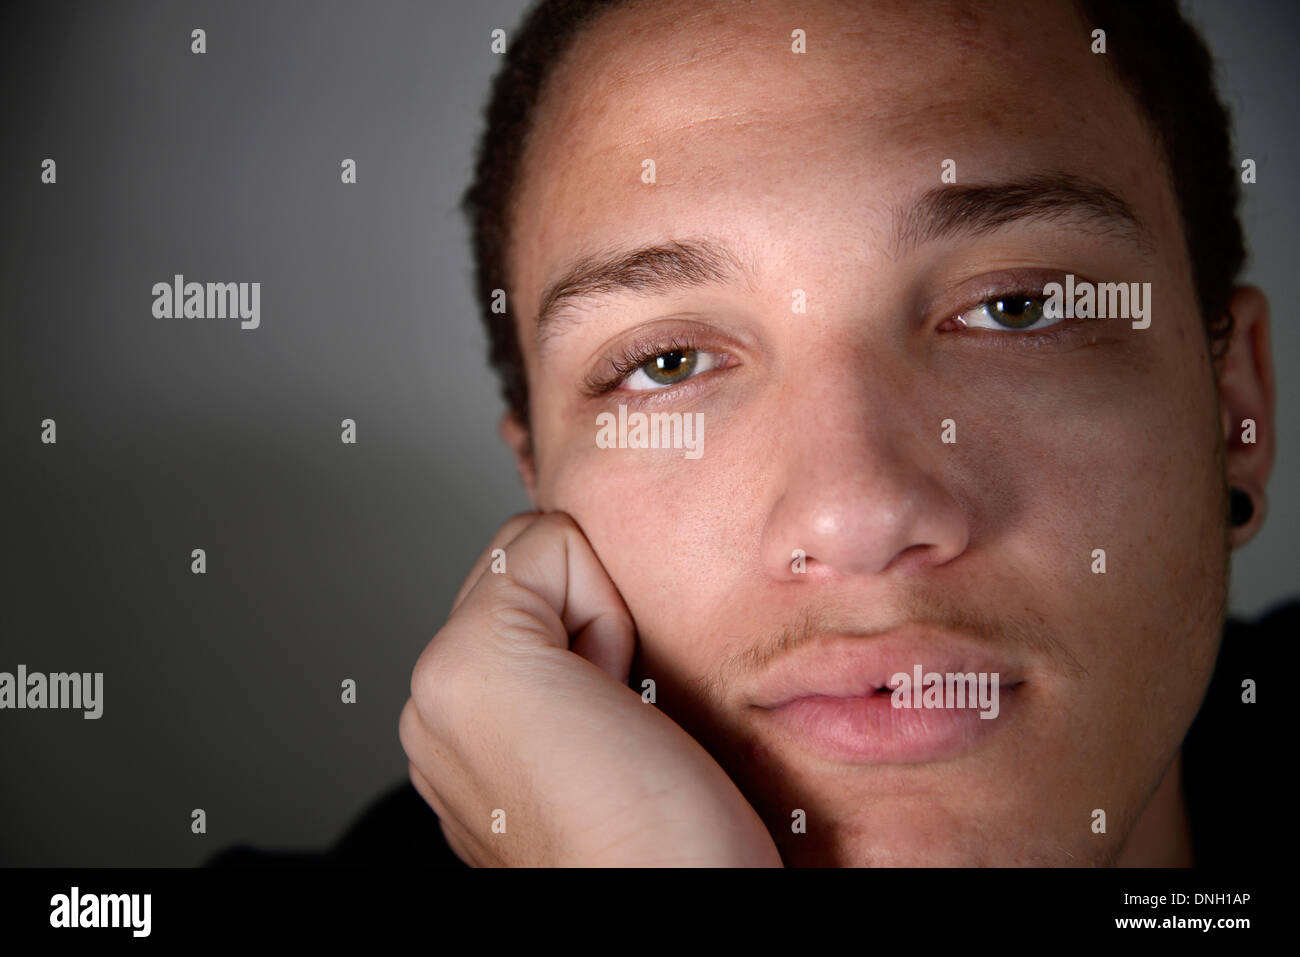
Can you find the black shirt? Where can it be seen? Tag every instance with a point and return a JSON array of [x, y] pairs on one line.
[[1223, 756]]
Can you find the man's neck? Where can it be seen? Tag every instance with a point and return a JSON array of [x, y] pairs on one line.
[[1162, 836]]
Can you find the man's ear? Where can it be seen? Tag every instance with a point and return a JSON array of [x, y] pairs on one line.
[[517, 436], [1246, 398]]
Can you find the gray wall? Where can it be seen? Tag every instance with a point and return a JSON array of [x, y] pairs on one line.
[[325, 561]]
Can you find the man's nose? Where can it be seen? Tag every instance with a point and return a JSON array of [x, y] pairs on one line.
[[867, 484]]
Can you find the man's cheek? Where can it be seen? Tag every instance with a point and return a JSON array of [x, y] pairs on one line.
[[1089, 454], [667, 530], [652, 517], [1113, 511]]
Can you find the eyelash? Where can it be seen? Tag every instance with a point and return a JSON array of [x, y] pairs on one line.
[[633, 357], [1013, 338], [636, 355]]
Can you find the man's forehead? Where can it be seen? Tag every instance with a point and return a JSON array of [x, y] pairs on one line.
[[677, 65], [715, 96]]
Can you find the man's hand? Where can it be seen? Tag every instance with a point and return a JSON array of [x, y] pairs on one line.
[[511, 721]]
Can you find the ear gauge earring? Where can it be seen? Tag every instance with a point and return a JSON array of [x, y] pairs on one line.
[[1242, 506]]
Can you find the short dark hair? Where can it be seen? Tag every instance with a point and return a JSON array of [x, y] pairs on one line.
[[1155, 51]]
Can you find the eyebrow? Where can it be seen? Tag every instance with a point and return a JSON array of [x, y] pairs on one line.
[[948, 211], [941, 213], [653, 270]]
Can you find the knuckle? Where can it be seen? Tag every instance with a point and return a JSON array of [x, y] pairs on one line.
[[423, 676], [514, 611], [515, 525], [441, 679], [408, 725], [521, 518], [561, 521], [432, 674]]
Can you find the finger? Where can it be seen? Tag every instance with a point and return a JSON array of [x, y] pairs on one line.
[[425, 790], [457, 838], [577, 591], [461, 844], [608, 647], [425, 763], [423, 768], [507, 533]]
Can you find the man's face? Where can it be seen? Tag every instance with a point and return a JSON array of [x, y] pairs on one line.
[[824, 428]]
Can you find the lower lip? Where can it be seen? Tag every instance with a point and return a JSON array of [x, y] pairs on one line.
[[870, 730]]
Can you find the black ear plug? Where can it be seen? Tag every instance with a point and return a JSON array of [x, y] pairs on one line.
[[1243, 506]]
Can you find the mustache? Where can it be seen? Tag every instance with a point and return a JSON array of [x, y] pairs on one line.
[[1011, 632]]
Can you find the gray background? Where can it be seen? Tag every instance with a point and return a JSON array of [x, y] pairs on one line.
[[325, 561]]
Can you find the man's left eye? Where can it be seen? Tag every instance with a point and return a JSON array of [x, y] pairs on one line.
[[1006, 312], [668, 368]]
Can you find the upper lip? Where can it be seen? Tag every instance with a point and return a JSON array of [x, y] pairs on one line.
[[845, 666]]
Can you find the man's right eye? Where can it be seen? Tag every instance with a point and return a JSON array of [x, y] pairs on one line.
[[668, 368]]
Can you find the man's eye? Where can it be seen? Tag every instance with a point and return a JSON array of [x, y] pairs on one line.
[[669, 368], [1006, 312]]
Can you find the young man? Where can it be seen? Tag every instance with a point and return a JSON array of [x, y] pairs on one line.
[[846, 345]]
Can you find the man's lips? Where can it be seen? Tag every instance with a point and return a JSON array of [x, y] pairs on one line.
[[835, 696], [851, 667]]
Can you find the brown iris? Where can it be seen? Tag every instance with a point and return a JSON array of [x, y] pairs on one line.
[[669, 367], [1015, 312]]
